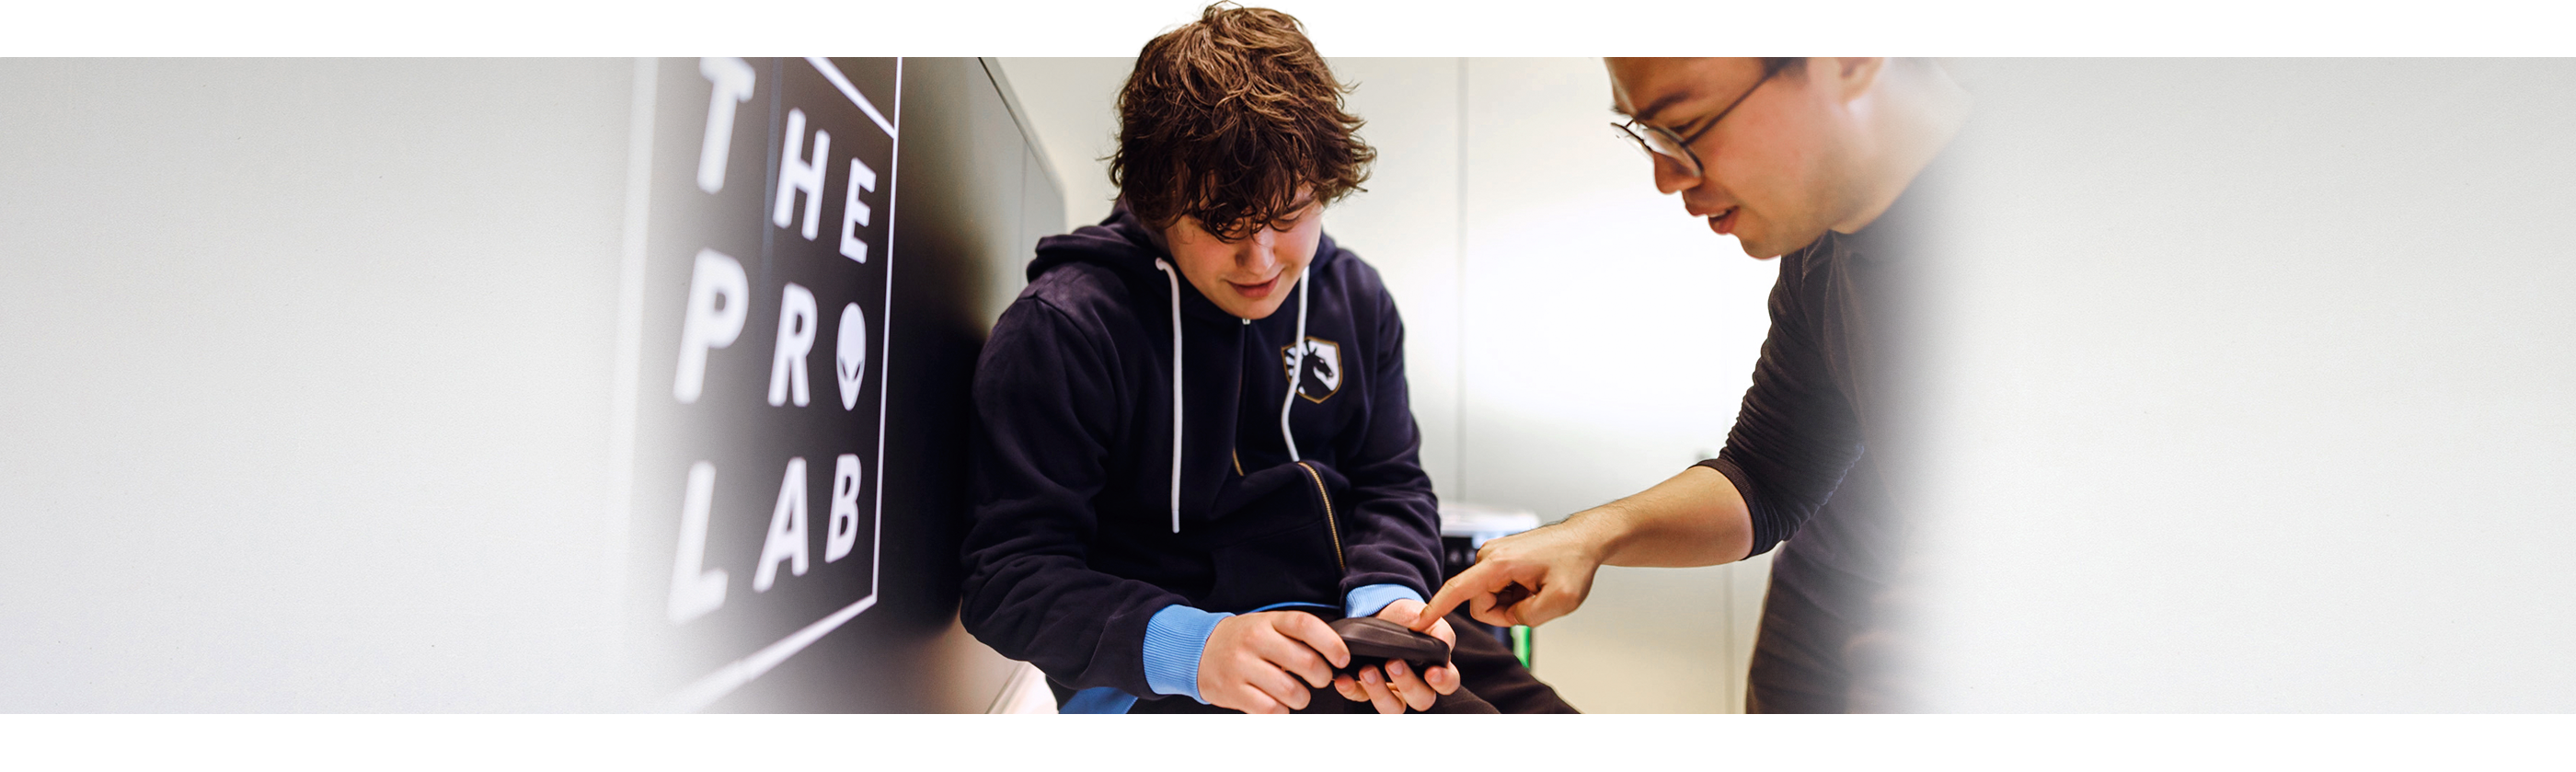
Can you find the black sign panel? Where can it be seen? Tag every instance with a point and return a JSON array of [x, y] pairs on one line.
[[760, 409]]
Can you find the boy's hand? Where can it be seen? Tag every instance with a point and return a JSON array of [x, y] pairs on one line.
[[1397, 686], [1253, 661]]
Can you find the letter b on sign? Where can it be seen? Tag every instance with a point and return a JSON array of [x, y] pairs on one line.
[[845, 509]]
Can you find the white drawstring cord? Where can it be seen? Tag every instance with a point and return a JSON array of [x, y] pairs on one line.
[[1175, 278], [1296, 364], [1296, 367]]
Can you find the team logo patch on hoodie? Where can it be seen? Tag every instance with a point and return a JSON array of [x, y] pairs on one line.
[[1318, 372]]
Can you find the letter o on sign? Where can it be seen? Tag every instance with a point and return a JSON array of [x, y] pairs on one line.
[[850, 363]]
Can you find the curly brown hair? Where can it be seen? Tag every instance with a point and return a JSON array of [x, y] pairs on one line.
[[1226, 117]]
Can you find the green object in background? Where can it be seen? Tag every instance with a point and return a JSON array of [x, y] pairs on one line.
[[1521, 645]]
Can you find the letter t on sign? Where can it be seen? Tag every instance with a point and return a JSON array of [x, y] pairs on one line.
[[733, 79]]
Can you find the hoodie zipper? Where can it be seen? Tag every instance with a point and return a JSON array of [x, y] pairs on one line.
[[1237, 450], [1331, 524]]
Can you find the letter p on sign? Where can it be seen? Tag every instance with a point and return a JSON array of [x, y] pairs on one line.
[[718, 295]]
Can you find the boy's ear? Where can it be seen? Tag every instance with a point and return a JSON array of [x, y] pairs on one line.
[[1155, 234]]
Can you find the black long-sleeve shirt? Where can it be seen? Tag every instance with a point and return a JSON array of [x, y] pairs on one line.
[[1816, 442]]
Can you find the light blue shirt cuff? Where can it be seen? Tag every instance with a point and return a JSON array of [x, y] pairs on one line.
[[1367, 601], [1174, 639]]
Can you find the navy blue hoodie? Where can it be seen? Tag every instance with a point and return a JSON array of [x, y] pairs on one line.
[[1085, 533]]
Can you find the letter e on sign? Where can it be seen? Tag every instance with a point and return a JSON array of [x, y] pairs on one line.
[[854, 212]]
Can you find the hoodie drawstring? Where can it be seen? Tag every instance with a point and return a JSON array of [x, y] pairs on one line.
[[1175, 278], [1296, 366]]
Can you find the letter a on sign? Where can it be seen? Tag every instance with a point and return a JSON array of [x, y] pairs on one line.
[[786, 530]]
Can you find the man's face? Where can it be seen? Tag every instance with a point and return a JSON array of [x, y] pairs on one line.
[[1772, 169], [1251, 276]]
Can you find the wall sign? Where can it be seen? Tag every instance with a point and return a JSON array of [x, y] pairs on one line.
[[760, 368]]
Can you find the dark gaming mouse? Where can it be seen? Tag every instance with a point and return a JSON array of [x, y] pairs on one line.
[[1373, 640]]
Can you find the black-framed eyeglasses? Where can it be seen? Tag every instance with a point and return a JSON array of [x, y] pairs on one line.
[[1660, 141]]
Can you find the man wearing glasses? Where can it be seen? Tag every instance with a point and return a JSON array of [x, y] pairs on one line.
[[1808, 160]]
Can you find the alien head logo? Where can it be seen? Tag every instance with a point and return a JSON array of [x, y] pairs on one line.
[[1316, 370], [850, 363]]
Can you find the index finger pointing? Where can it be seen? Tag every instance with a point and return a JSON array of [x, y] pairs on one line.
[[1459, 589]]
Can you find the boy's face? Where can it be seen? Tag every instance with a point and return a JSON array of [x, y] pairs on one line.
[[1251, 276]]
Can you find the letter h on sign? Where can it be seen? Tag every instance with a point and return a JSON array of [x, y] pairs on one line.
[[796, 174]]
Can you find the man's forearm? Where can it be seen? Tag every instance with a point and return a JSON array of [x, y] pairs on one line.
[[1694, 519]]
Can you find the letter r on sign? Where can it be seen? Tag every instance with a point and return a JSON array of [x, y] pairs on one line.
[[795, 340]]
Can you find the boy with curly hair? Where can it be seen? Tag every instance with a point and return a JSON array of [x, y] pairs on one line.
[[1194, 442]]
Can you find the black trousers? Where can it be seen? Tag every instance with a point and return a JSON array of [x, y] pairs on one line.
[[1490, 679]]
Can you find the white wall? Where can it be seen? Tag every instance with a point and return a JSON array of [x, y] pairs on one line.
[[2260, 381], [1571, 336], [1074, 102], [306, 383], [1408, 225]]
